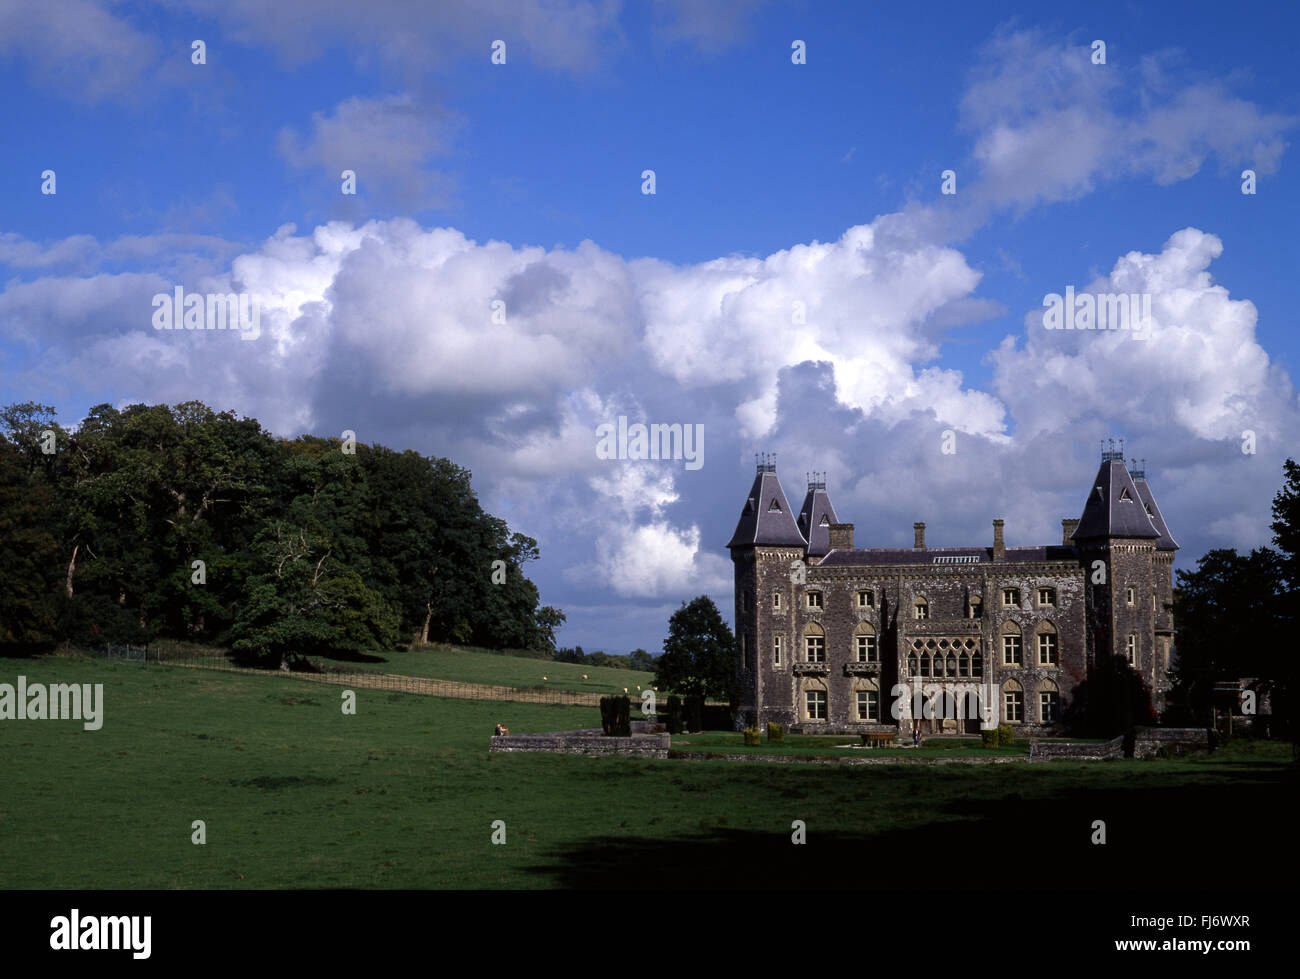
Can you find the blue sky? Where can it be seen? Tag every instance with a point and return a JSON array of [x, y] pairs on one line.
[[776, 183]]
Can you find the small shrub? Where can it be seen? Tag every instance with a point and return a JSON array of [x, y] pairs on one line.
[[616, 716], [674, 714], [990, 737], [1006, 734], [775, 732], [751, 735]]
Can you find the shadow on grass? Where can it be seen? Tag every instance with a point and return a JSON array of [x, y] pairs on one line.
[[1231, 834]]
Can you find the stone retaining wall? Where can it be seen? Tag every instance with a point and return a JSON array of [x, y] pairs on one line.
[[1150, 742], [593, 742]]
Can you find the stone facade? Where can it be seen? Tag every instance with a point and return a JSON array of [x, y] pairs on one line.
[[836, 638]]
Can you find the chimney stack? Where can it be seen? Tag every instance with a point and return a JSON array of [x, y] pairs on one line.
[[999, 545], [1068, 527], [841, 537], [918, 530]]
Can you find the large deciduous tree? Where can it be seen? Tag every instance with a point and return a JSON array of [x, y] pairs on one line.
[[699, 654]]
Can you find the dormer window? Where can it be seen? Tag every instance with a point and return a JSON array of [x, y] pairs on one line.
[[825, 521], [1124, 497], [775, 507]]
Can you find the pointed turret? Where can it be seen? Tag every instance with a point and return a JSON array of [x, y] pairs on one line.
[[1114, 507], [767, 520], [816, 516], [1166, 541]]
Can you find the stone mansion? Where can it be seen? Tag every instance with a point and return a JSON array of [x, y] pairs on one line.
[[838, 638]]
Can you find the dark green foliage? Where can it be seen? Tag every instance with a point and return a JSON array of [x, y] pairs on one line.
[[1006, 734], [698, 658], [751, 736], [616, 716], [775, 732], [674, 714], [990, 737], [305, 548]]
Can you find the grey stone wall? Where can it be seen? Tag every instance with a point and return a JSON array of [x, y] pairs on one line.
[[592, 742]]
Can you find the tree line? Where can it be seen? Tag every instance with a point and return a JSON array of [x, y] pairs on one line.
[[1235, 618], [183, 522]]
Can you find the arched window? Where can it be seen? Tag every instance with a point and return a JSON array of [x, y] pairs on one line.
[[976, 663], [963, 665], [925, 664], [814, 643], [912, 665], [1048, 646], [950, 668], [921, 609], [1012, 652], [1049, 702], [1013, 702], [865, 649]]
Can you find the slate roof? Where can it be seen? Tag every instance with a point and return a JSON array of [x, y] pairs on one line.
[[1114, 508], [927, 555], [766, 519], [1166, 541], [815, 517]]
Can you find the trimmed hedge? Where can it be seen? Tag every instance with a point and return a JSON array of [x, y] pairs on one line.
[[751, 736], [1006, 734], [616, 716], [775, 732], [674, 714], [989, 738]]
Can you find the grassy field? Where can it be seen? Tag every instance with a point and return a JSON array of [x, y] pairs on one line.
[[469, 665], [402, 795], [841, 746]]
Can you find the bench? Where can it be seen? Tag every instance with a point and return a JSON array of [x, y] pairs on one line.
[[879, 740]]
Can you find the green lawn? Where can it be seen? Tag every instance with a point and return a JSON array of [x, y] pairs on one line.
[[841, 746], [475, 666], [403, 794]]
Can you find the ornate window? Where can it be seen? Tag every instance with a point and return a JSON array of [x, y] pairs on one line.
[[1048, 654], [913, 665], [814, 644], [864, 643], [1049, 703], [1013, 702], [1011, 646]]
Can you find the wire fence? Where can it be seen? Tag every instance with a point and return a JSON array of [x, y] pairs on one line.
[[392, 682]]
